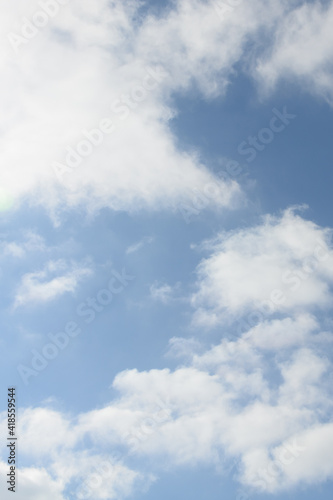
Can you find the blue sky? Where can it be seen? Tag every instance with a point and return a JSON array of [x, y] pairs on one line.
[[183, 292]]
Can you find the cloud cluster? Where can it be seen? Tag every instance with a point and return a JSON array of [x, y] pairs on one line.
[[263, 399], [90, 106], [88, 93], [223, 406], [35, 484]]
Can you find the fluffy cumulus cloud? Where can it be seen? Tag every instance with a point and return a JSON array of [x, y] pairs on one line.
[[62, 468], [87, 93], [35, 484], [302, 49], [224, 405], [88, 100], [281, 265], [76, 474], [262, 400]]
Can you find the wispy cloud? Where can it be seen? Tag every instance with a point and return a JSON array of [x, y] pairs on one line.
[[54, 280], [140, 244], [162, 292], [32, 242]]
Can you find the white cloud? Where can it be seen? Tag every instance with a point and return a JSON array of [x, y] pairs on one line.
[[82, 475], [12, 249], [285, 333], [262, 399], [163, 292], [232, 399], [316, 462], [137, 246], [304, 459], [67, 468], [33, 484], [91, 475], [225, 405], [95, 57], [92, 58], [56, 278], [282, 265], [34, 422], [32, 242], [183, 348], [301, 375], [302, 49]]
